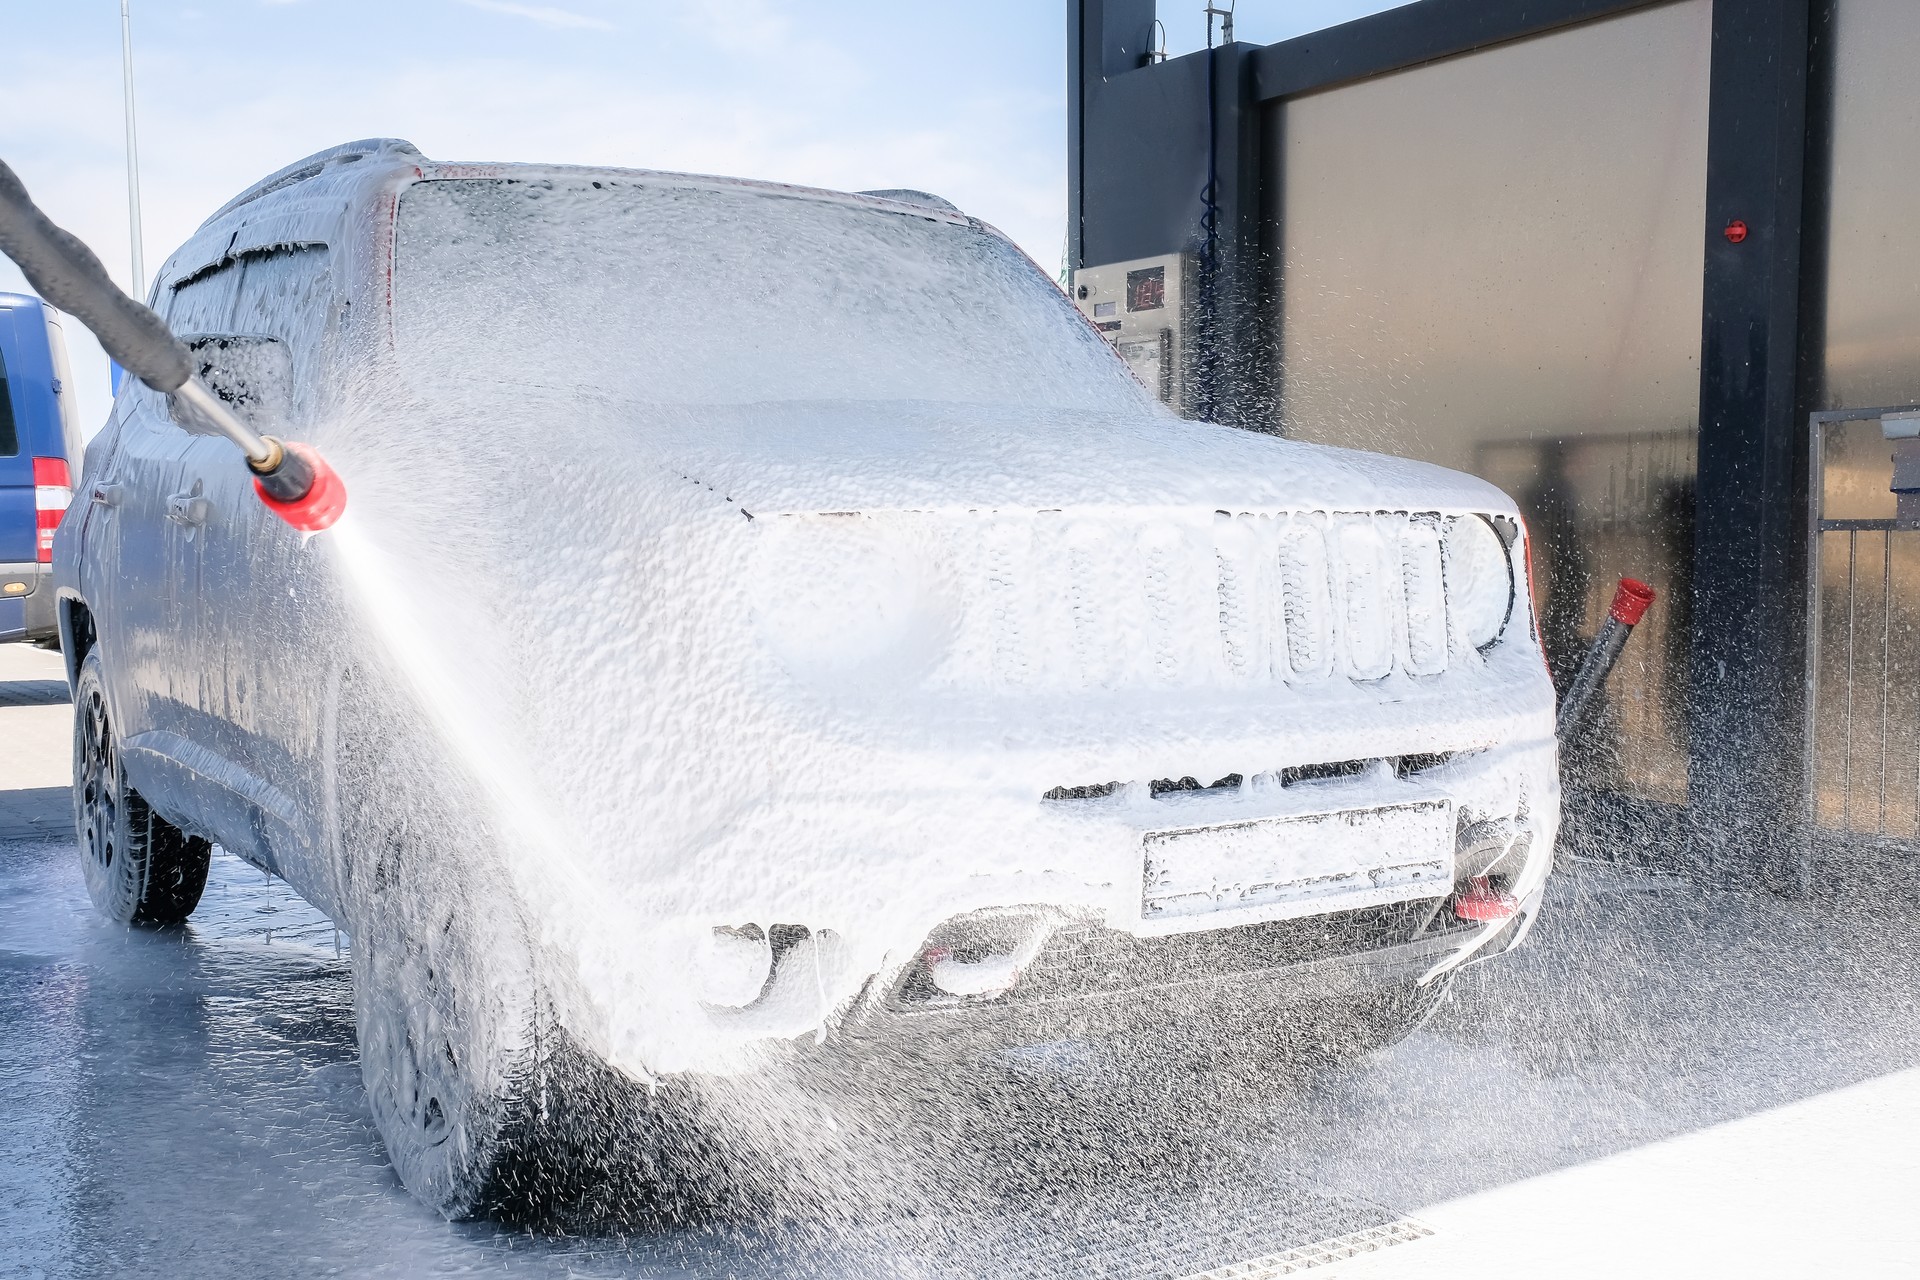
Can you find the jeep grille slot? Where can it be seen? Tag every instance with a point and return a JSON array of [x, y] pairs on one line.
[[1056, 600], [1407, 766]]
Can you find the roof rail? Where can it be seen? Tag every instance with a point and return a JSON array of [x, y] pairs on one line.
[[301, 170], [907, 195]]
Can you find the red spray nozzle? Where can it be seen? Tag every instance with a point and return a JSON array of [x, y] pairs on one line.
[[302, 489], [1630, 601]]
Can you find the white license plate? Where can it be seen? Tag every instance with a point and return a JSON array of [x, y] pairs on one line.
[[1299, 865]]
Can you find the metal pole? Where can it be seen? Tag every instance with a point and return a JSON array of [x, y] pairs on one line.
[[1226, 22], [139, 289]]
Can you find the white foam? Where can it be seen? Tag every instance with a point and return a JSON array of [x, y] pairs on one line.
[[724, 647]]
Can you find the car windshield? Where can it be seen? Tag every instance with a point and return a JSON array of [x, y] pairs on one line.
[[694, 294]]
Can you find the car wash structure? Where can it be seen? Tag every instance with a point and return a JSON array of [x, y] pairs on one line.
[[1650, 268]]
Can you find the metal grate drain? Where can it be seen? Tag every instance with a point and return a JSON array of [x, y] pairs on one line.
[[1338, 1249], [1237, 1229]]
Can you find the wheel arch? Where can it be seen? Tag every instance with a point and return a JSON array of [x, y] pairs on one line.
[[77, 634]]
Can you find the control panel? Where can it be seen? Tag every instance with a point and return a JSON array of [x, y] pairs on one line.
[[1144, 308]]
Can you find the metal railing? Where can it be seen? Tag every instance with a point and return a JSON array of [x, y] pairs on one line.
[[1863, 695]]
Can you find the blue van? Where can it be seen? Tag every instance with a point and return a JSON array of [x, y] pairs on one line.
[[39, 455]]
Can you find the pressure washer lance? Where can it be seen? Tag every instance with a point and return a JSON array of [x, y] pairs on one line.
[[292, 479], [1631, 600]]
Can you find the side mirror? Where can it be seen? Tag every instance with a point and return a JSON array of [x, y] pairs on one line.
[[251, 374]]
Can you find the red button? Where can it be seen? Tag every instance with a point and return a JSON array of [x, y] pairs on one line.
[[1736, 231]]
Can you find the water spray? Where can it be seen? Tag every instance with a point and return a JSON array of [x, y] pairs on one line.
[[1631, 600], [293, 480]]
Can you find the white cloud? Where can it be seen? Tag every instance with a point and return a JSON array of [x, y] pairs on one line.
[[545, 15]]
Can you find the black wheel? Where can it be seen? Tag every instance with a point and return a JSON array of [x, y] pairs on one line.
[[449, 1045], [484, 1103], [447, 1006], [140, 868]]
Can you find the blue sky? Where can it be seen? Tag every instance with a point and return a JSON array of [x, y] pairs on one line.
[[967, 100]]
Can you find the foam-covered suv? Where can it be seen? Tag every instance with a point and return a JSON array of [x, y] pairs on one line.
[[771, 620]]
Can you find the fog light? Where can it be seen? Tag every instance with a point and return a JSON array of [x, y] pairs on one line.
[[733, 966], [981, 956], [985, 977], [15, 588]]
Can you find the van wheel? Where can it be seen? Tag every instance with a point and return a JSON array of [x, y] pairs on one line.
[[140, 868]]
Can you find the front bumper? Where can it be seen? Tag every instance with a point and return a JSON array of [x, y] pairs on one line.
[[1095, 960], [1094, 984]]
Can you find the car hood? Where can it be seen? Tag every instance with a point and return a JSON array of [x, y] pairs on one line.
[[770, 459]]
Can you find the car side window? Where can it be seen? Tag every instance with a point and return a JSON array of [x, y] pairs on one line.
[[201, 303], [9, 434], [288, 294], [284, 293]]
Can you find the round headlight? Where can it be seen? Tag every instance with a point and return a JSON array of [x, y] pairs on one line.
[[1479, 579]]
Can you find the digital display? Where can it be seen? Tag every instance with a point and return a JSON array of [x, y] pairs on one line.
[[1147, 290]]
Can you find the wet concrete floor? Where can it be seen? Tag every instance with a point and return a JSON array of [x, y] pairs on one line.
[[188, 1102]]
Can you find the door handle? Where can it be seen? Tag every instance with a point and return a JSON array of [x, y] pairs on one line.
[[107, 495], [189, 509]]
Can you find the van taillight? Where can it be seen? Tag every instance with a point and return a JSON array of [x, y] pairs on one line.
[[52, 491]]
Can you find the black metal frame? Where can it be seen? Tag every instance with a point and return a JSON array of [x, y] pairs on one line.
[[1169, 157], [1413, 34], [1149, 108], [1747, 781]]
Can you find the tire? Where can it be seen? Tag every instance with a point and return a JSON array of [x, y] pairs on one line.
[[485, 1105], [443, 1072], [140, 868], [447, 1008]]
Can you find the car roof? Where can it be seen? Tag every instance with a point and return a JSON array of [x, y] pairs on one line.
[[315, 164], [305, 202]]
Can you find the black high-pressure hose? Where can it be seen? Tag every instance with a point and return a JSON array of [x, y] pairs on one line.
[[1631, 600], [292, 479]]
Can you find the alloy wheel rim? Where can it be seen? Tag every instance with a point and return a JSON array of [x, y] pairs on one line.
[[100, 776], [414, 1090], [417, 1094]]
